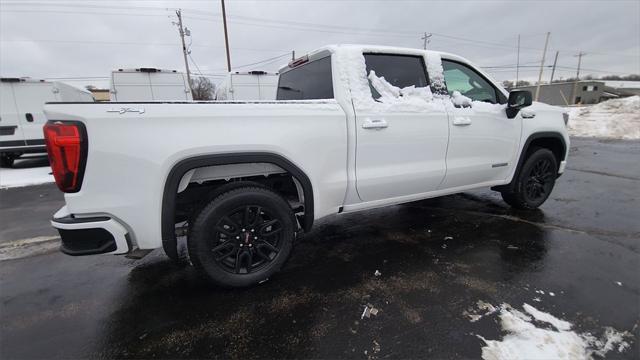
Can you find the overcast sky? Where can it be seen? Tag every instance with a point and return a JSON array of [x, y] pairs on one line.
[[85, 40]]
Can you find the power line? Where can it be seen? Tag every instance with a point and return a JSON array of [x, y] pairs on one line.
[[103, 42], [302, 26], [270, 60]]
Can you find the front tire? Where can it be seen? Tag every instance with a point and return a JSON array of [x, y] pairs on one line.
[[242, 237], [534, 182]]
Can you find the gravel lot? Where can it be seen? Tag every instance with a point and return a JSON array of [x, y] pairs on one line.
[[577, 258]]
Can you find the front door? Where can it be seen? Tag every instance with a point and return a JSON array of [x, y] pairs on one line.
[[402, 130], [483, 142]]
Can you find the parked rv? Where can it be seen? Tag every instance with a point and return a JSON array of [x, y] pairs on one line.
[[148, 84], [21, 116], [252, 85]]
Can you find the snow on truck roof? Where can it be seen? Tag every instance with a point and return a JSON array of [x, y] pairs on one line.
[[334, 48]]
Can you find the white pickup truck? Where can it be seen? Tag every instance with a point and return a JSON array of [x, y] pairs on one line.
[[353, 128]]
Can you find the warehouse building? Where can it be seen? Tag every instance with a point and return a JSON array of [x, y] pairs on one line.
[[586, 91]]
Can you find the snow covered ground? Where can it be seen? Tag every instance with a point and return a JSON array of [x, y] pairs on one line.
[[617, 118], [24, 177], [534, 334]]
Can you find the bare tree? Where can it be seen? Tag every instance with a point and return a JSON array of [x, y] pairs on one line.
[[202, 88]]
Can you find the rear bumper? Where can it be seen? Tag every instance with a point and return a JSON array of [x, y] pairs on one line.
[[90, 235]]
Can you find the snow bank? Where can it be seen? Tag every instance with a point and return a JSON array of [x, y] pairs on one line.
[[24, 177], [617, 118], [534, 334]]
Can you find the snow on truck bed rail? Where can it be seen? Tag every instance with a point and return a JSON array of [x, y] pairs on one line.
[[617, 118]]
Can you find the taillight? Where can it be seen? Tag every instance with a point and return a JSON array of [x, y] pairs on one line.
[[67, 148]]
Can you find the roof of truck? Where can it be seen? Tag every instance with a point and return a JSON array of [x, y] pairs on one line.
[[334, 48]]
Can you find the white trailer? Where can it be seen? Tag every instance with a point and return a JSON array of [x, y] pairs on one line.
[[149, 84], [21, 116], [252, 85]]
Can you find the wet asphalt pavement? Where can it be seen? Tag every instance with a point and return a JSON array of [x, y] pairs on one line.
[[581, 242]]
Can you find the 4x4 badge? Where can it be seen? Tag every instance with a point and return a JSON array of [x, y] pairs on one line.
[[126, 110]]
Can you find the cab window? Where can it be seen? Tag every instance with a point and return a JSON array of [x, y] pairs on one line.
[[398, 70], [459, 77], [312, 80]]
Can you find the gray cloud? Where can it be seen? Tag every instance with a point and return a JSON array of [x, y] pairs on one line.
[[51, 38]]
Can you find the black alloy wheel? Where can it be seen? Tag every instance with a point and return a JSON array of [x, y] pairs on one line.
[[242, 237], [534, 181], [246, 239], [540, 181]]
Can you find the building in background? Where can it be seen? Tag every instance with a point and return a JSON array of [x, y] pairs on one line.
[[100, 94], [586, 91]]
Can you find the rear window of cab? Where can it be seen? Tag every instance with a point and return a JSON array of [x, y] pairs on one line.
[[312, 80]]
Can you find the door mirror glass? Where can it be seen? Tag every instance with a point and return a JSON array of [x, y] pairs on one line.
[[519, 99]]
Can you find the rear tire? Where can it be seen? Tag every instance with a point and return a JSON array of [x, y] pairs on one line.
[[242, 237], [7, 159], [534, 182]]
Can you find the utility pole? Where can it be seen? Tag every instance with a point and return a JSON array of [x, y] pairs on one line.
[[426, 38], [544, 54], [181, 30], [575, 82], [553, 71], [518, 62], [226, 36], [293, 55]]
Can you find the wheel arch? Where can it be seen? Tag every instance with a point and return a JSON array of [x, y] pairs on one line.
[[551, 140], [172, 182]]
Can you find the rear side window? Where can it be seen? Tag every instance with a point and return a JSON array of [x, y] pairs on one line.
[[398, 70], [308, 81]]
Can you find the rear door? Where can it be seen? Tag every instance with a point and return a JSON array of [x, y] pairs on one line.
[[401, 140], [10, 132], [245, 87], [169, 86], [30, 99], [130, 86], [268, 85]]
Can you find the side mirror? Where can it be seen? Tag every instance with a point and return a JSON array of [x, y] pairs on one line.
[[518, 99]]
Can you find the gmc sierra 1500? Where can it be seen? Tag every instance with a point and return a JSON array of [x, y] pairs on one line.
[[353, 128]]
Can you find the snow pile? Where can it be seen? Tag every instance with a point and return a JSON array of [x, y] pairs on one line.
[[409, 99], [24, 177], [460, 100], [534, 334], [617, 118], [436, 72]]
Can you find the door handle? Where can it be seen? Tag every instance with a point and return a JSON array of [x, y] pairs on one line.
[[461, 121], [374, 124]]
